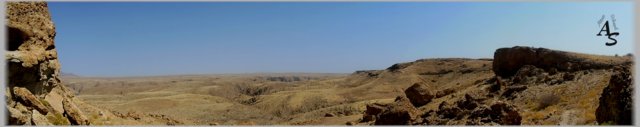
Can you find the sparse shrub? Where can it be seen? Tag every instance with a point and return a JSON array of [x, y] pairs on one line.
[[346, 110], [312, 103], [57, 119], [547, 100], [350, 99], [251, 90], [607, 123], [244, 93], [250, 101], [282, 111]]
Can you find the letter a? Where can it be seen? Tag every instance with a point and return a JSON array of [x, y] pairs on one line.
[[605, 27]]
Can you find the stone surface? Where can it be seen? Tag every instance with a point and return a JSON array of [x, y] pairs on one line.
[[505, 114], [372, 112], [616, 102], [31, 54], [401, 112], [32, 64], [54, 98], [507, 61], [73, 113], [39, 119], [18, 117], [419, 94], [29, 99]]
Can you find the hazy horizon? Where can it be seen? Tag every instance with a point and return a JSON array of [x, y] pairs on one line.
[[116, 39]]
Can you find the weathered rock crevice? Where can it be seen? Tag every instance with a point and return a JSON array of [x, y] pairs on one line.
[[34, 89]]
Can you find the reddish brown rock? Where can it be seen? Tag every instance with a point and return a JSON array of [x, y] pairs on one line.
[[507, 61], [401, 112], [616, 102], [372, 112], [419, 94], [505, 114]]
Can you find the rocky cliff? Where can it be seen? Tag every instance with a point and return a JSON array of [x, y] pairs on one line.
[[507, 61], [34, 93]]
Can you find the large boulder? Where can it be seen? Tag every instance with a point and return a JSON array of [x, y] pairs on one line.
[[616, 102], [372, 112], [419, 94], [401, 112]]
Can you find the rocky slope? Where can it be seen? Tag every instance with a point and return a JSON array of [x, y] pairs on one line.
[[34, 93], [531, 86], [441, 91]]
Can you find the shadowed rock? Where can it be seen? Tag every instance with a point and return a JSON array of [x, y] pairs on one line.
[[505, 114], [29, 100], [372, 112], [18, 117], [419, 94], [616, 102], [507, 61], [33, 69], [73, 113], [401, 112]]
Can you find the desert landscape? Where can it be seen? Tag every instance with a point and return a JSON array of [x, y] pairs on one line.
[[519, 86], [441, 91]]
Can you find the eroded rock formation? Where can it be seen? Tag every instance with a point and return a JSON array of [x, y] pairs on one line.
[[34, 93], [507, 61], [616, 102]]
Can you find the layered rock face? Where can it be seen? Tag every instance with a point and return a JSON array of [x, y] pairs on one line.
[[34, 93]]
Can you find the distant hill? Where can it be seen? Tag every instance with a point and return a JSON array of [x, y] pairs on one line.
[[67, 74]]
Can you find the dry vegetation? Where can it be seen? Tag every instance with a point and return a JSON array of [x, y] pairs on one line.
[[332, 99]]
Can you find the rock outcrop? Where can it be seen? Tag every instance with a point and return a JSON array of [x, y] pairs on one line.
[[34, 89], [507, 61], [616, 102], [401, 112], [372, 112]]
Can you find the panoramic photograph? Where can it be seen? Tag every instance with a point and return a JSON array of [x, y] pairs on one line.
[[318, 63]]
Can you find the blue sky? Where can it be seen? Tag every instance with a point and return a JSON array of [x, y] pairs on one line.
[[170, 38]]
